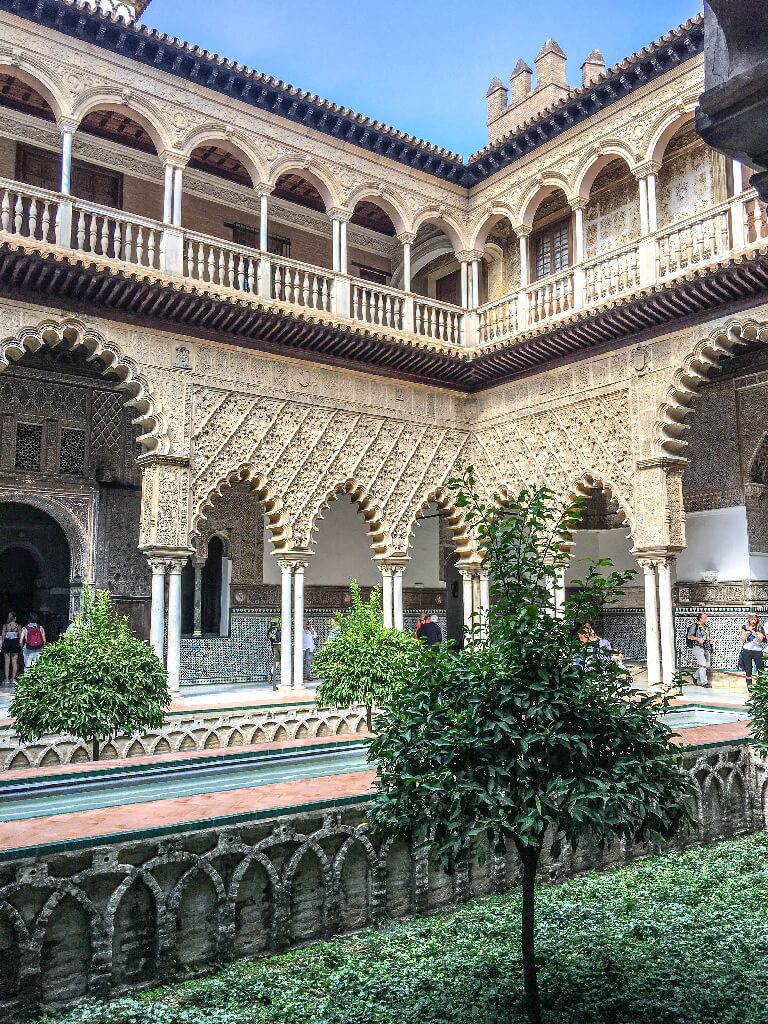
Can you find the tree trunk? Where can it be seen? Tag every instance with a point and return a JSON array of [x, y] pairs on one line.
[[95, 750], [529, 858], [369, 717]]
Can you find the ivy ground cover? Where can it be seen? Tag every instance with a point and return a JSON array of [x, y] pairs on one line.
[[677, 939]]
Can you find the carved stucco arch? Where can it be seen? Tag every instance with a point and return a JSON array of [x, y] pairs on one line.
[[316, 173], [538, 192], [272, 506], [233, 141], [592, 480], [665, 126], [32, 70], [74, 333], [697, 368], [381, 197], [464, 542], [488, 220], [305, 533], [595, 162], [78, 538], [137, 107], [440, 219]]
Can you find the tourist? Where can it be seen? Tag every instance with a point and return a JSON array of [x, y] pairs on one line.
[[698, 642], [752, 640], [429, 631], [32, 640], [333, 629], [419, 622], [10, 645], [310, 636], [605, 648], [274, 637]]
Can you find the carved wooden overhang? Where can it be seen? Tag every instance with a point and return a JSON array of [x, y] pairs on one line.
[[90, 287], [155, 49]]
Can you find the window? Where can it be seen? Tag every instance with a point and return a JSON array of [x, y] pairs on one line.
[[72, 452], [94, 184], [29, 446], [244, 234], [552, 250], [372, 274]]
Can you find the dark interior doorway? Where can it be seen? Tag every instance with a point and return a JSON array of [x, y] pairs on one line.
[[212, 578], [454, 602]]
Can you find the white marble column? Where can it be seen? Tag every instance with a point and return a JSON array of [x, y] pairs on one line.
[[177, 193], [67, 135], [286, 630], [666, 620], [525, 267], [168, 194], [578, 206], [264, 222], [386, 595], [157, 610], [653, 216], [559, 593], [335, 228], [343, 248], [475, 301], [173, 663], [653, 653], [298, 624], [485, 603], [397, 596], [198, 602], [406, 266], [464, 270], [467, 594], [642, 185]]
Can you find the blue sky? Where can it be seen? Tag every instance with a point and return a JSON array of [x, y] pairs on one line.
[[421, 65]]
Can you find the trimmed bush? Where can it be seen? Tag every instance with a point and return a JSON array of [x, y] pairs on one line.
[[677, 939]]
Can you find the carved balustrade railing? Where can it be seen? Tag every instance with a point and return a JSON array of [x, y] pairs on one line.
[[45, 217]]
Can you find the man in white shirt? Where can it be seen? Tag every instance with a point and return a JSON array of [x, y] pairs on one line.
[[309, 649]]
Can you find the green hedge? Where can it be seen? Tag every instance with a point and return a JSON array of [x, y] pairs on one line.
[[679, 939]]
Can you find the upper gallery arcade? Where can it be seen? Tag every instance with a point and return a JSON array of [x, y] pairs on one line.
[[231, 309]]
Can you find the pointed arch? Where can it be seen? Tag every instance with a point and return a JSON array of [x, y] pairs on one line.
[[377, 526], [73, 333], [697, 368], [272, 505]]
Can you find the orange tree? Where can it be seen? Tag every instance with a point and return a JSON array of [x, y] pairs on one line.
[[528, 735]]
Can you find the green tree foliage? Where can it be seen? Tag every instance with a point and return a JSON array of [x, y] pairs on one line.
[[757, 705], [364, 663], [531, 736], [96, 681]]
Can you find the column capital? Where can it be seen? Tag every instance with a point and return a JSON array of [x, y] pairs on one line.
[[159, 566], [293, 559], [466, 255], [647, 167], [339, 214], [173, 158], [406, 237], [522, 230], [67, 124], [578, 203], [263, 188]]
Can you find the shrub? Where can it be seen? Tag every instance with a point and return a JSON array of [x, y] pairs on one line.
[[96, 681], [364, 663]]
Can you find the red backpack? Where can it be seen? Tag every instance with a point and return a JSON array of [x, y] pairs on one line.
[[34, 636]]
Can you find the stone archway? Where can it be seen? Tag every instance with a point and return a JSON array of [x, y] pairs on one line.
[[35, 566]]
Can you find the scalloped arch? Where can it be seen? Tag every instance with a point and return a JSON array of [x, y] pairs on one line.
[[271, 504], [463, 541], [594, 481], [681, 395], [378, 529], [74, 333]]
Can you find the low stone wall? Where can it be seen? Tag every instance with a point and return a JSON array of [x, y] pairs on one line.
[[110, 919], [195, 730]]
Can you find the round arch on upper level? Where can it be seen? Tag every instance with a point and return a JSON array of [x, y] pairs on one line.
[[311, 170], [665, 127], [595, 162], [383, 199], [305, 532], [32, 72], [484, 225], [73, 333], [140, 110], [696, 368], [443, 221], [536, 195], [232, 142]]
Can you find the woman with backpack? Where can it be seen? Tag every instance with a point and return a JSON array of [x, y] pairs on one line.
[[752, 640], [32, 640]]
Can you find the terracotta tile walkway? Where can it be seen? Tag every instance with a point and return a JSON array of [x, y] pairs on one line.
[[192, 811]]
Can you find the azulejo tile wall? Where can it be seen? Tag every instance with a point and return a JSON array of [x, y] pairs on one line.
[[245, 655]]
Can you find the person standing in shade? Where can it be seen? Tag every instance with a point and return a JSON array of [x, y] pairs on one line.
[[274, 636], [429, 631], [333, 628], [752, 640], [10, 645], [32, 640], [700, 645], [310, 636]]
